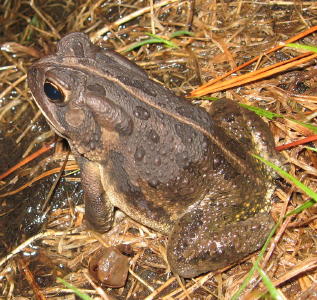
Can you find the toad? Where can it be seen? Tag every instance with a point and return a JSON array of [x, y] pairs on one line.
[[168, 164]]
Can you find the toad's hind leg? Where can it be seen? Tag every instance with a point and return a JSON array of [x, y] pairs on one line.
[[198, 245], [246, 127]]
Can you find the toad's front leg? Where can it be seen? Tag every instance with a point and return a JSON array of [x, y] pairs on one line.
[[99, 211]]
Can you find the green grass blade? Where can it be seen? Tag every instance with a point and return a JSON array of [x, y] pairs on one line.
[[256, 263], [154, 40], [275, 293], [180, 33], [311, 148], [302, 47], [161, 40], [301, 208], [76, 291], [306, 205], [262, 112], [270, 115], [266, 113], [311, 127], [290, 178]]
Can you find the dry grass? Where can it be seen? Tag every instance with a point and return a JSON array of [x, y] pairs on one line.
[[226, 34]]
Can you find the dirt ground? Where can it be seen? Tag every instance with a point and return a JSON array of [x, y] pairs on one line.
[[42, 233]]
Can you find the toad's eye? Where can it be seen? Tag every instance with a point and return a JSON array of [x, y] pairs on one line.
[[53, 93]]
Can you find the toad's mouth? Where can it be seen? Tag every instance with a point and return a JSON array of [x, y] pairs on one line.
[[56, 130]]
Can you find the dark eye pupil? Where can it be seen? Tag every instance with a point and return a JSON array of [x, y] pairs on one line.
[[53, 93]]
